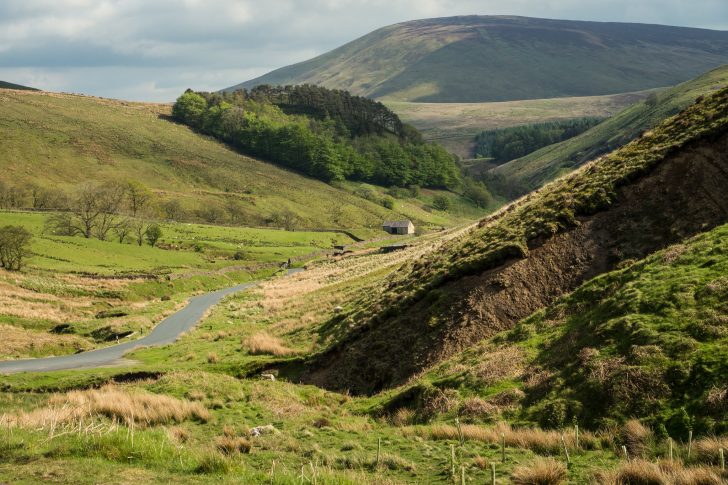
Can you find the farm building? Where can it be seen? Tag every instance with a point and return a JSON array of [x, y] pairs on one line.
[[399, 227]]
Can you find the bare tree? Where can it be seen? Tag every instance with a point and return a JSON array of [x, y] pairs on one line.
[[123, 228], [139, 230], [138, 197], [95, 209]]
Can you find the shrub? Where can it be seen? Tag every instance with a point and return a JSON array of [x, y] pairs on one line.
[[387, 202], [441, 203], [153, 233], [212, 358], [14, 247], [542, 471]]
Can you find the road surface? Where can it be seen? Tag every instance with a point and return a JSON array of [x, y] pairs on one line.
[[165, 333]]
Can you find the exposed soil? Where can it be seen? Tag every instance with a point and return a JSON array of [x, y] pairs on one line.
[[686, 194]]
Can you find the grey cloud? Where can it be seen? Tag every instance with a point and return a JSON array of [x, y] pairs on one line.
[[146, 50]]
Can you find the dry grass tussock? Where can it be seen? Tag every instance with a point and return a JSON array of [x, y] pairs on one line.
[[264, 344], [230, 445], [707, 450], [636, 437], [642, 472], [500, 364], [542, 471], [140, 408], [537, 440], [19, 342]]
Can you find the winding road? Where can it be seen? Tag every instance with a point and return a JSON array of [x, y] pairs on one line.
[[165, 333]]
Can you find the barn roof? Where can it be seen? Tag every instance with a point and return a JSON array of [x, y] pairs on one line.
[[397, 223]]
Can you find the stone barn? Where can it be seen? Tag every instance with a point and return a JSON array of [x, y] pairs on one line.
[[399, 227]]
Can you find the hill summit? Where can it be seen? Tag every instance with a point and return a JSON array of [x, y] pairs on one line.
[[494, 58]]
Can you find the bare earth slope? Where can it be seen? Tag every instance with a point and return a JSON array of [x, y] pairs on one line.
[[489, 58], [656, 191]]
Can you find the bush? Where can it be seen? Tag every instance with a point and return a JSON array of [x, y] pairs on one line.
[[153, 233], [388, 202], [14, 246], [441, 203]]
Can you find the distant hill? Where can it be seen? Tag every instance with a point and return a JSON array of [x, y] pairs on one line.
[[490, 58], [520, 176], [7, 85]]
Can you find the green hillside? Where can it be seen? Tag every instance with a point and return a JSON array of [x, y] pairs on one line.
[[525, 174], [649, 340], [490, 58], [58, 141], [7, 85], [657, 190]]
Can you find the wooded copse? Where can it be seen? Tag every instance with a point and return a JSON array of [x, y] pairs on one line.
[[329, 135], [506, 144]]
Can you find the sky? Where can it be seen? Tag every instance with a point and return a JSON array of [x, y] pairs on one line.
[[152, 50]]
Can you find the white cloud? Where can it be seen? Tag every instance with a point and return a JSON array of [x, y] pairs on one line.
[[130, 48]]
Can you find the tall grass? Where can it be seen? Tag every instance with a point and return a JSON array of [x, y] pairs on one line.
[[131, 407], [534, 439], [264, 344]]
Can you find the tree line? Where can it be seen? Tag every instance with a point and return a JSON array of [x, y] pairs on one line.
[[109, 210], [329, 135], [506, 144]]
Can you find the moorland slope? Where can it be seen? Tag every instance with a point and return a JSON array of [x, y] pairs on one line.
[[491, 58]]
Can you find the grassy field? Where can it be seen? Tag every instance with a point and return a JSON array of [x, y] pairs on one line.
[[63, 135], [525, 174], [454, 125], [92, 291], [199, 412]]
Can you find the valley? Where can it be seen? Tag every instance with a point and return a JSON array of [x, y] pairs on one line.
[[310, 278]]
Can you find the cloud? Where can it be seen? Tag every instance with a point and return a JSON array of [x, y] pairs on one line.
[[145, 50]]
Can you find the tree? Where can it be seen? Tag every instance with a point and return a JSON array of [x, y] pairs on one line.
[[122, 229], [441, 202], [95, 208], [476, 192], [61, 224], [14, 247], [173, 210], [153, 233], [138, 197], [139, 230]]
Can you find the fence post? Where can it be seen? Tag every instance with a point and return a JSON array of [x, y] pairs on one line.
[[722, 459], [624, 450], [462, 475], [492, 473], [690, 442], [566, 450], [503, 447], [576, 433], [452, 460], [379, 452]]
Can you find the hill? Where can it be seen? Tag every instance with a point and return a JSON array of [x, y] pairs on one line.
[[455, 125], [625, 344], [525, 174], [491, 58], [7, 85], [49, 139], [658, 190]]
